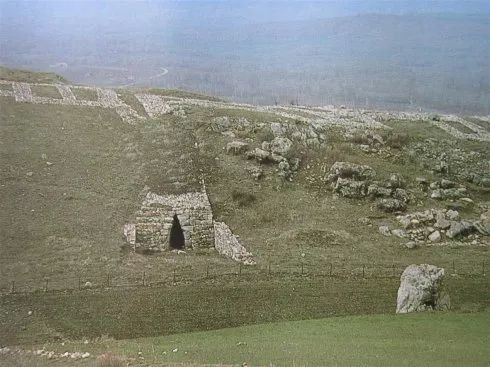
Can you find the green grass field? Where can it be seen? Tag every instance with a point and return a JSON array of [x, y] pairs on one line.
[[409, 340], [428, 339]]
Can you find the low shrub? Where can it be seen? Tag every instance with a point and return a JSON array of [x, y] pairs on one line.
[[242, 198]]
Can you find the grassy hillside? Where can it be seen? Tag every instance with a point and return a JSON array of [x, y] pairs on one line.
[[439, 339], [73, 176]]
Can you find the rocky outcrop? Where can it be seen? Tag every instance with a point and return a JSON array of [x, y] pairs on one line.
[[281, 145], [227, 244], [391, 205], [350, 171], [422, 289], [236, 147], [437, 225]]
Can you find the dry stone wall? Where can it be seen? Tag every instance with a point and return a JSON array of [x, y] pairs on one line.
[[317, 117]]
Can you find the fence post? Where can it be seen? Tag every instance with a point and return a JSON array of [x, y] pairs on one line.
[[144, 278], [108, 280], [46, 284], [363, 271], [207, 271], [13, 286], [331, 269]]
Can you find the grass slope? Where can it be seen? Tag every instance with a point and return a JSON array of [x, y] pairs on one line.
[[65, 219], [427, 339]]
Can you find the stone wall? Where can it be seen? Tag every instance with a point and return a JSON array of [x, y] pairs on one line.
[[155, 218], [227, 244]]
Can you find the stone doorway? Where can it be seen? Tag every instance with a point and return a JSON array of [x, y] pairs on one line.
[[177, 240]]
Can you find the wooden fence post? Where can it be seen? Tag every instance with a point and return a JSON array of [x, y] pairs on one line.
[[363, 271]]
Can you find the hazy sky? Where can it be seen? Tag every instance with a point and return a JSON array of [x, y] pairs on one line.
[[378, 52]]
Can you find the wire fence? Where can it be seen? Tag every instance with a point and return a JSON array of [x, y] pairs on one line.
[[215, 273]]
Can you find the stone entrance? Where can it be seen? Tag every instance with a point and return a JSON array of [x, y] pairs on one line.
[[176, 238]]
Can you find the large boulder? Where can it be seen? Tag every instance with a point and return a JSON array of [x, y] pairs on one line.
[[458, 229], [281, 145], [390, 205], [350, 188], [350, 170], [260, 155], [421, 289]]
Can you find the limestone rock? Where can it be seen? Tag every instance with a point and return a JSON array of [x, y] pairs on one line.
[[435, 237], [255, 172], [281, 145], [391, 205], [227, 244], [400, 233], [350, 170], [259, 154], [459, 229], [483, 226], [422, 288], [377, 191], [396, 181], [236, 147], [350, 188], [384, 230], [411, 245]]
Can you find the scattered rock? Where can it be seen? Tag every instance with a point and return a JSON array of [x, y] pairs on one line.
[[236, 147], [396, 181], [350, 188], [351, 171], [260, 155], [459, 229], [411, 245], [256, 172], [384, 230], [391, 205], [422, 288], [435, 237], [400, 233]]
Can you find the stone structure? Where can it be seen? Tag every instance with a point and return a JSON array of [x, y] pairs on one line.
[[227, 244], [315, 118], [421, 289], [172, 222]]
